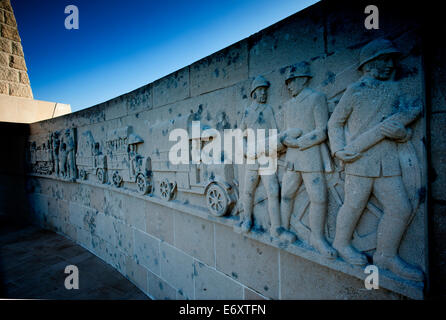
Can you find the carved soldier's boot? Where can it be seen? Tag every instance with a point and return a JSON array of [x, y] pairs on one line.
[[321, 245], [351, 255], [287, 236], [390, 231], [246, 225], [275, 231], [398, 266]]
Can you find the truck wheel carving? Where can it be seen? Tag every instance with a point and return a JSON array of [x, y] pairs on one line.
[[142, 184], [117, 179], [217, 200], [166, 190]]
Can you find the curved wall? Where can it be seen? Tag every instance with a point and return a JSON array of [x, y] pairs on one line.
[[169, 243]]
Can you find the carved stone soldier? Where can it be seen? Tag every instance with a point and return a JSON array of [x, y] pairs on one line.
[[364, 130], [71, 159], [306, 116], [259, 115], [55, 143]]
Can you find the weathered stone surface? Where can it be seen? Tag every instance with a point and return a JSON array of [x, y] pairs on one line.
[[171, 88], [220, 70], [124, 237], [286, 43], [159, 222], [19, 90], [159, 289], [252, 295], [147, 251], [180, 278], [9, 32], [5, 45], [136, 273], [248, 261], [5, 5], [321, 283], [211, 284], [196, 237]]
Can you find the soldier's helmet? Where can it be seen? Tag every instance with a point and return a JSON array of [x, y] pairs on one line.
[[258, 82], [375, 49], [301, 69]]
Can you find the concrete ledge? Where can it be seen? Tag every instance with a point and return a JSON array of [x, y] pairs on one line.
[[24, 110]]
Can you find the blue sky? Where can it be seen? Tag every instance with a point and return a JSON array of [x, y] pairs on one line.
[[122, 45]]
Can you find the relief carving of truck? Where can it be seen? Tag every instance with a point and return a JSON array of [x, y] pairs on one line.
[[215, 182], [123, 161], [89, 158]]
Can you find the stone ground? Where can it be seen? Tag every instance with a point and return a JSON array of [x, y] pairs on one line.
[[32, 264]]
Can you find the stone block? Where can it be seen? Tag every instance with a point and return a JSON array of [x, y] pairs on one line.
[[5, 45], [219, 70], [135, 214], [5, 5], [97, 199], [195, 236], [302, 279], [171, 88], [211, 284], [9, 32], [23, 77], [114, 204], [291, 41], [160, 289], [17, 62], [140, 99], [252, 295], [124, 234], [4, 59], [20, 90], [252, 263], [10, 19], [16, 48], [136, 273], [147, 251], [105, 229], [115, 108], [179, 278], [159, 222]]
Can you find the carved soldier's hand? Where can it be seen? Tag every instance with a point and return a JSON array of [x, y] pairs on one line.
[[289, 137], [347, 156], [393, 130]]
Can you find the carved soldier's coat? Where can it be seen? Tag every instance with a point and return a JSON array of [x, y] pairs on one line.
[[363, 106], [308, 111]]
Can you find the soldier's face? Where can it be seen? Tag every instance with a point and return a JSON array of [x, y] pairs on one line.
[[296, 85], [382, 67], [260, 94]]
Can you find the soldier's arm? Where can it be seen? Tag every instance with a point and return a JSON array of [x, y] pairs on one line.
[[319, 134], [339, 117]]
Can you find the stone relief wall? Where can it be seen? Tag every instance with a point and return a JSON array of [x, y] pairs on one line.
[[350, 189]]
